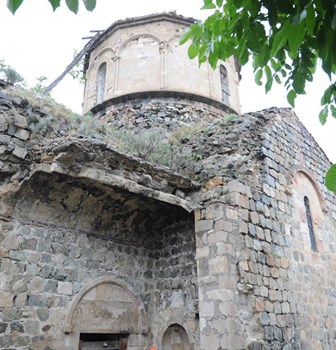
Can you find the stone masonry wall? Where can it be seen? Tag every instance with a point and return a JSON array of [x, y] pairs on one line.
[[43, 268], [258, 278], [175, 279]]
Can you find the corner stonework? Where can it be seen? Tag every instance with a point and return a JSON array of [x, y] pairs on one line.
[[219, 245]]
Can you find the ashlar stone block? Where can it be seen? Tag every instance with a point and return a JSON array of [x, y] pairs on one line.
[[64, 288]]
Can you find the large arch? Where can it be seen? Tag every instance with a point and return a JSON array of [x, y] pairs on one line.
[[142, 326]]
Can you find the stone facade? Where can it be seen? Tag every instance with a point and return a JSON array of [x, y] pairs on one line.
[[99, 247], [143, 54]]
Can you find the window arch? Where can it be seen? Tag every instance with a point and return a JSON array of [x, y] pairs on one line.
[[101, 80], [310, 223], [224, 84]]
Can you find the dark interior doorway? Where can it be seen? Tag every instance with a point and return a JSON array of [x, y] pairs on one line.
[[92, 341]]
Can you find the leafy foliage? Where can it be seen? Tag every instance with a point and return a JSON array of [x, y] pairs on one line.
[[39, 87], [77, 72], [285, 40], [72, 5], [9, 74]]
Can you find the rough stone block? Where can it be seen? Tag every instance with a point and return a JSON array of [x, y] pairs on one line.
[[215, 211], [206, 309], [19, 120], [238, 199], [5, 139], [223, 225], [217, 236], [6, 299], [3, 327], [43, 314], [29, 244], [22, 134], [221, 295], [264, 319], [20, 286], [263, 291], [17, 255], [20, 152], [3, 123], [21, 300], [202, 252], [16, 326], [203, 225], [37, 300], [9, 314], [218, 265], [36, 284]]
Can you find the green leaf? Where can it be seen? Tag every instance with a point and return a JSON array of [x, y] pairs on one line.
[[13, 5], [192, 51], [295, 37], [184, 37], [72, 5], [299, 17], [208, 5], [213, 60], [323, 115], [280, 38], [89, 4], [331, 178], [55, 4], [258, 76], [268, 73], [291, 96], [299, 81], [268, 85], [333, 110], [310, 20], [219, 3]]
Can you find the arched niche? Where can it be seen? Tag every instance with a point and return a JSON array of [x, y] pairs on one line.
[[140, 64], [176, 338], [308, 210], [302, 177], [106, 305]]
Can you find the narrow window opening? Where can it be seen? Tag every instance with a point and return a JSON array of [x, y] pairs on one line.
[[310, 223], [101, 79], [224, 84], [93, 341]]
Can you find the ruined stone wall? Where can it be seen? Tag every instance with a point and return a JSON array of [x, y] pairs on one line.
[[63, 227], [163, 113]]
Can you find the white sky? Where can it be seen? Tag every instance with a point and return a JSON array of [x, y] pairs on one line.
[[38, 42]]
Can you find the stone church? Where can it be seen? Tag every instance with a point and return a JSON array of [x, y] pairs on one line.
[[231, 246]]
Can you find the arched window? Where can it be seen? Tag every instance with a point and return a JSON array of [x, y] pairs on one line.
[[310, 223], [101, 79], [224, 84]]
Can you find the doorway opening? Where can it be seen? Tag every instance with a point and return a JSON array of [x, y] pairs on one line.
[[95, 341]]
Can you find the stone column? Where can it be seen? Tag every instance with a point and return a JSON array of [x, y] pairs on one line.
[[218, 246]]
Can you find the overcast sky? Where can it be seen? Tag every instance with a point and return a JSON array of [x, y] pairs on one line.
[[38, 42]]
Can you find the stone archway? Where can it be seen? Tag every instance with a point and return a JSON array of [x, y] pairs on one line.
[[106, 305], [176, 338]]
